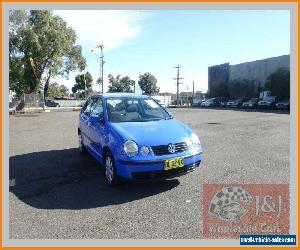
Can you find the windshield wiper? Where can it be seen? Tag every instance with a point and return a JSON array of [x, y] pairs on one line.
[[169, 118]]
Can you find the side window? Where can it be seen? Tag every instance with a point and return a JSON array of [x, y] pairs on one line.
[[87, 106], [97, 107]]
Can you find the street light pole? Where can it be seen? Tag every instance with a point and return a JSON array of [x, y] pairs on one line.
[[101, 47], [101, 63]]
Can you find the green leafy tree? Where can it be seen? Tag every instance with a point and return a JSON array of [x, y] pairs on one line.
[[147, 83], [41, 46], [120, 84], [17, 82], [56, 90], [83, 84], [279, 83]]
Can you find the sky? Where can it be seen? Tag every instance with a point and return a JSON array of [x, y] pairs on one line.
[[136, 42]]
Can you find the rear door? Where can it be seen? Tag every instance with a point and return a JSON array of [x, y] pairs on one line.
[[83, 121]]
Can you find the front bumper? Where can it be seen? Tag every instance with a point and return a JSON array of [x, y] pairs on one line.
[[154, 169]]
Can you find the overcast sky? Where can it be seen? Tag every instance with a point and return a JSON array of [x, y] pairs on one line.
[[156, 41]]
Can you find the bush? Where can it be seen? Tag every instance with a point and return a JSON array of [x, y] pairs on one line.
[[279, 83]]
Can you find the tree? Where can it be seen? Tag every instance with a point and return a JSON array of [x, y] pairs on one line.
[[147, 83], [83, 84], [56, 90], [279, 83], [41, 46], [118, 84]]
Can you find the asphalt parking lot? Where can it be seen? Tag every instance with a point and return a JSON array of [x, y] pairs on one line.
[[56, 192]]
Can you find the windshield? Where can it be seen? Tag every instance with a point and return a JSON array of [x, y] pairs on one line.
[[127, 109]]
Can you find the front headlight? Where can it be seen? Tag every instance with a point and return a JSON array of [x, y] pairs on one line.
[[131, 148], [144, 151]]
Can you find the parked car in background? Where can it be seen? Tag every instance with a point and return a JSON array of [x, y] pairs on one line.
[[237, 103], [268, 102], [212, 102], [284, 104], [223, 101], [136, 139], [251, 103], [197, 104], [51, 103]]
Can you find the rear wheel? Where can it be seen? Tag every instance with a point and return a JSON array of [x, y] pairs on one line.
[[111, 176]]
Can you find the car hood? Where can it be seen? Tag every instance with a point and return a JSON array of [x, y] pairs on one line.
[[152, 133]]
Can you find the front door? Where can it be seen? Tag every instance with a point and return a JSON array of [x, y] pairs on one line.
[[96, 129]]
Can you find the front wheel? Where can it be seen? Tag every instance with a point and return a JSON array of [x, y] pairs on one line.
[[111, 176]]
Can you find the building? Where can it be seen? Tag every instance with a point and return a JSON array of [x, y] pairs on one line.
[[256, 71], [11, 95], [173, 96], [185, 95], [199, 95], [163, 99]]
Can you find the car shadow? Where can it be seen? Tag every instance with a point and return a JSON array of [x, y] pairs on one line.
[[68, 179]]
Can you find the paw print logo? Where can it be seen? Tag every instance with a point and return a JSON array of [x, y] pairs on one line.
[[227, 204]]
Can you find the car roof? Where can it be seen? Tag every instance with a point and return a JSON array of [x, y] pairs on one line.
[[123, 94]]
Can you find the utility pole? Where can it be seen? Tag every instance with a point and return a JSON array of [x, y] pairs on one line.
[[187, 93], [84, 83], [136, 82], [177, 83], [101, 47], [193, 89]]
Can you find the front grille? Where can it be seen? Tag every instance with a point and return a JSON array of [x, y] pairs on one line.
[[163, 149], [164, 174]]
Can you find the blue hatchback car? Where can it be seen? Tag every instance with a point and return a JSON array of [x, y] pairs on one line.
[[135, 138]]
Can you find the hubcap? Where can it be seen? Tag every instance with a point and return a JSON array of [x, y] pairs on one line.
[[109, 171]]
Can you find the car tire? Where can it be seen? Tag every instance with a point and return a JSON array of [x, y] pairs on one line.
[[81, 145], [111, 176]]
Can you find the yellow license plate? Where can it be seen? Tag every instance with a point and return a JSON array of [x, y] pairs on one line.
[[174, 163]]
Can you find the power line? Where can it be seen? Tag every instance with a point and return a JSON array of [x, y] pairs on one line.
[[177, 83]]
